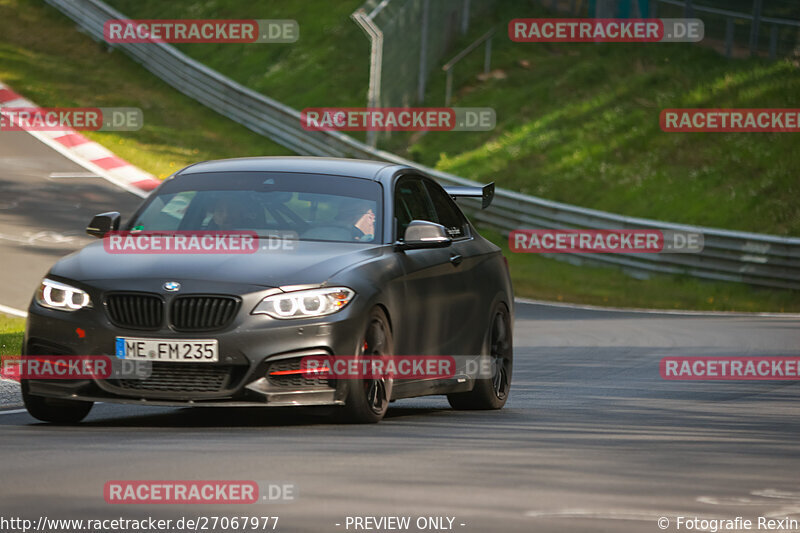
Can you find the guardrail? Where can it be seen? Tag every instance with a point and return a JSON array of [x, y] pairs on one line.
[[765, 260]]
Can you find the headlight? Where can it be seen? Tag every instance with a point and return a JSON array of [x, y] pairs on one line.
[[307, 303], [61, 296]]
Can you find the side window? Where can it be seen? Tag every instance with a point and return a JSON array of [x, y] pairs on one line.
[[411, 202], [447, 213]]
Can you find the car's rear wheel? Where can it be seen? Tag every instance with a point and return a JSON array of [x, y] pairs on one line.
[[492, 393], [368, 399], [55, 410]]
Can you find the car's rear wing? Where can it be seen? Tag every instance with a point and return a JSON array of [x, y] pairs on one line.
[[485, 193]]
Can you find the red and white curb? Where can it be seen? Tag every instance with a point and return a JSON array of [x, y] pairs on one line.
[[87, 153]]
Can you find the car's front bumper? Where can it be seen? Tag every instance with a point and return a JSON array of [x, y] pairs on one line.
[[248, 349]]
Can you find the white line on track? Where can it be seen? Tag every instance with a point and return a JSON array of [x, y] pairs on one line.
[[11, 311], [13, 412], [91, 167], [62, 175]]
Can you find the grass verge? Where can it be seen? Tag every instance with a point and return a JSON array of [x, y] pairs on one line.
[[328, 65], [11, 330]]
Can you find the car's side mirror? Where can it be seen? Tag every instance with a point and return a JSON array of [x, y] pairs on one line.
[[102, 224], [424, 234]]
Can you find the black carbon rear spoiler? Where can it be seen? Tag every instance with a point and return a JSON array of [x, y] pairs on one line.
[[485, 193]]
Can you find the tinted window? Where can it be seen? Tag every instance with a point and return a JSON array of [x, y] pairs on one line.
[[411, 203], [315, 207], [447, 213]]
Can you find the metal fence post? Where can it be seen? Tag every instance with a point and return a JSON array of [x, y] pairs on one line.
[[376, 64], [754, 27], [487, 57], [465, 18], [423, 52], [449, 87], [729, 28], [773, 41]]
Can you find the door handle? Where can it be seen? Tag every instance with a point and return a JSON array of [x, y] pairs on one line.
[[456, 259]]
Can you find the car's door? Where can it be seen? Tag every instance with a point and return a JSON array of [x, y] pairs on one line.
[[432, 283], [468, 302]]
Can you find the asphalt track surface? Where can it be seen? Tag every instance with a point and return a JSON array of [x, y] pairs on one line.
[[592, 438]]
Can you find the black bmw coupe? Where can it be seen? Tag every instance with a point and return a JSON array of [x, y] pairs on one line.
[[374, 260]]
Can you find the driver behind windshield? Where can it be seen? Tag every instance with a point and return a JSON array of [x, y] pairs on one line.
[[225, 215], [358, 216]]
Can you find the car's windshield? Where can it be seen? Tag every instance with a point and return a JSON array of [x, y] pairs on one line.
[[313, 206]]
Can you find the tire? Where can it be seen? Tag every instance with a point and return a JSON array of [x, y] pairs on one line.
[[368, 399], [492, 393], [54, 410]]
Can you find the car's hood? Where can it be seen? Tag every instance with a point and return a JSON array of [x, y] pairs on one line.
[[308, 262]]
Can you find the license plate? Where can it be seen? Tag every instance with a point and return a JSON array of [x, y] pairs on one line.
[[174, 351]]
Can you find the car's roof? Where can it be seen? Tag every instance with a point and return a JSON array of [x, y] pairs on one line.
[[356, 168]]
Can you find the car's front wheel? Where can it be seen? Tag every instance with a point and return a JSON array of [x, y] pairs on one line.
[[55, 410], [368, 399], [492, 392]]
